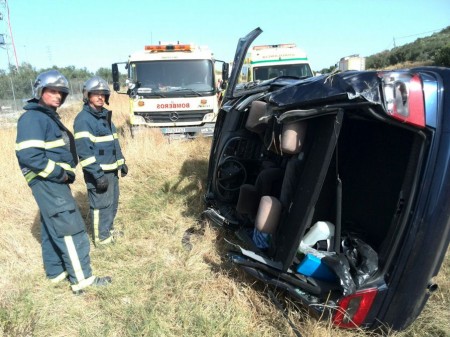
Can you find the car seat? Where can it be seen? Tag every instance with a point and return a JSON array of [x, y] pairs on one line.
[[258, 117], [264, 202], [270, 207]]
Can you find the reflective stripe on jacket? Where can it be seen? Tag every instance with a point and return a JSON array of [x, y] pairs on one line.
[[96, 141], [45, 148]]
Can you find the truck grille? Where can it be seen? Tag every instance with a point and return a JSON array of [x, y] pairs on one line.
[[173, 116]]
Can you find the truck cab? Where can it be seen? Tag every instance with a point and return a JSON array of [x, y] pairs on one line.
[[171, 87], [264, 62]]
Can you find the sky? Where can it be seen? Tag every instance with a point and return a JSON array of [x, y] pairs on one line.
[[93, 34]]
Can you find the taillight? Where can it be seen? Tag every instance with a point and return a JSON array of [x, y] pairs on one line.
[[353, 309], [403, 95]]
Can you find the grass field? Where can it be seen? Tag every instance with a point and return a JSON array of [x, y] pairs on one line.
[[159, 288]]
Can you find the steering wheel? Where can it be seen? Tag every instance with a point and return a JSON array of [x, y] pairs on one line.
[[231, 174]]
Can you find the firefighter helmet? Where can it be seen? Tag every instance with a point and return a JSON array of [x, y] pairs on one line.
[[50, 79], [96, 84]]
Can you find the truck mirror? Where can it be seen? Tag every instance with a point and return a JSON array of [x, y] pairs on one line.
[[225, 69], [115, 77]]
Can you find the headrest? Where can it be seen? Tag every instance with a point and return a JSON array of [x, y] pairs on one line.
[[292, 137], [268, 215], [258, 109]]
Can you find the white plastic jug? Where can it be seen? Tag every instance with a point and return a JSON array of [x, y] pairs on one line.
[[321, 230]]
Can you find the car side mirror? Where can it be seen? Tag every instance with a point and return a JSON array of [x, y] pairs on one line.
[[225, 70], [115, 76]]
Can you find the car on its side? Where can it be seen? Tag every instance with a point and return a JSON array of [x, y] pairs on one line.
[[337, 187]]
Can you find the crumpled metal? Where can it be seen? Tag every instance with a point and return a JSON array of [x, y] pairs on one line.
[[334, 88]]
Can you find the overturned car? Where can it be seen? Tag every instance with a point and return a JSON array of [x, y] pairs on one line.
[[337, 187]]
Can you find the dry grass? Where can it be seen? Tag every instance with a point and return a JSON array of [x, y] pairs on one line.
[[159, 288]]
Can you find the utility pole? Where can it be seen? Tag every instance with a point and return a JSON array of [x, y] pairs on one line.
[[4, 45], [8, 23]]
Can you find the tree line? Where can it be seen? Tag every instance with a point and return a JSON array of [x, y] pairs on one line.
[[432, 50], [18, 82]]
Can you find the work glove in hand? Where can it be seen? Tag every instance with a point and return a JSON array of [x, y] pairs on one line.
[[101, 184], [124, 170]]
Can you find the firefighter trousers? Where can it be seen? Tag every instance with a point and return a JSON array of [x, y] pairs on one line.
[[103, 209], [65, 243]]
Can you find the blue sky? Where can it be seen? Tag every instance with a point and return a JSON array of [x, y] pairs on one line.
[[96, 33]]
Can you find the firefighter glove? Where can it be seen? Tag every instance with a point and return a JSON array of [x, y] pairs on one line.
[[124, 170], [101, 184]]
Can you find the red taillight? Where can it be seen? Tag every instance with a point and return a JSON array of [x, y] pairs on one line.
[[353, 309], [403, 95], [416, 102]]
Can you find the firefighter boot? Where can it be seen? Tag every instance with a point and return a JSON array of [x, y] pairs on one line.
[[98, 282]]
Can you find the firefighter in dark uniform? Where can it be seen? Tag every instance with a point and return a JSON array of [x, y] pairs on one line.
[[45, 149], [101, 159]]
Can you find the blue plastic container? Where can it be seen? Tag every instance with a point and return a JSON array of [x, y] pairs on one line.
[[312, 266]]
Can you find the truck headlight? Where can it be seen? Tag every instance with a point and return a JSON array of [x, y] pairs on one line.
[[209, 117]]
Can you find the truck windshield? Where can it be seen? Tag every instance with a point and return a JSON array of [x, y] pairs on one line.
[[297, 70], [173, 75]]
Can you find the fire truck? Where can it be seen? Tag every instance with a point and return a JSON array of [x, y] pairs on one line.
[[172, 87], [270, 61]]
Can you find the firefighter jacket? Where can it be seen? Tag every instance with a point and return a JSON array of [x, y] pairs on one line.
[[97, 142], [45, 148]]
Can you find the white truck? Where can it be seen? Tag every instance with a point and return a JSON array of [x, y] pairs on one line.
[[172, 87], [269, 61]]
